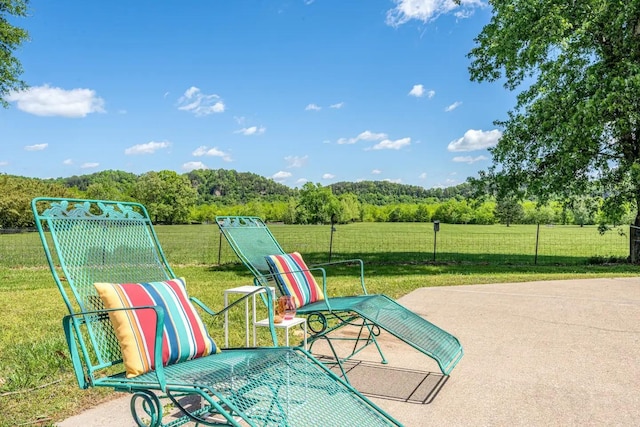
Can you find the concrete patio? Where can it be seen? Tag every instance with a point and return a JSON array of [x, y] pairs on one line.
[[552, 353]]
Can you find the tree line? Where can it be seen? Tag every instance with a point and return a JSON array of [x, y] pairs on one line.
[[198, 196]]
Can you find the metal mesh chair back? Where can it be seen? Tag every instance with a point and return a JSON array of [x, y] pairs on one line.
[[251, 240], [88, 242]]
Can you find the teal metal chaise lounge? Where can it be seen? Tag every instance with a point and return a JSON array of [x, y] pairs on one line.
[[254, 244], [132, 327]]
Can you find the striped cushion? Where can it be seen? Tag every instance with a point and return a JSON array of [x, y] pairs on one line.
[[293, 277], [184, 335]]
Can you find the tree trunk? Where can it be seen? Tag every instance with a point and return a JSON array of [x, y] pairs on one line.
[[634, 240]]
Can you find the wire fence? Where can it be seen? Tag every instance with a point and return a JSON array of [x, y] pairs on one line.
[[492, 244], [385, 243]]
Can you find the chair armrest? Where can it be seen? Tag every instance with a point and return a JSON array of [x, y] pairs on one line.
[[81, 360], [314, 268], [348, 261], [259, 289], [74, 338]]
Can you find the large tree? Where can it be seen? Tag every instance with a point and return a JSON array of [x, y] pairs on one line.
[[11, 38], [16, 193], [167, 195], [576, 65], [317, 205], [508, 211]]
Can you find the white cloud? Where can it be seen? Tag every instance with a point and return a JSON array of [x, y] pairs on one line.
[[200, 151], [376, 172], [253, 130], [337, 106], [54, 101], [89, 165], [453, 106], [383, 144], [469, 159], [36, 147], [148, 148], [423, 175], [475, 140], [388, 144], [371, 136], [3, 163], [281, 175], [214, 152], [417, 91], [464, 14], [396, 180], [296, 161], [447, 183], [312, 107], [67, 162], [302, 181], [428, 10], [189, 166], [200, 104], [364, 136], [328, 176]]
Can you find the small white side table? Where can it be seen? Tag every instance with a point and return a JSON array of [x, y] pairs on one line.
[[286, 325], [243, 290]]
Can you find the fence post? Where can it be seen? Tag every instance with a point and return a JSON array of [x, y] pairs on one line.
[[436, 228], [333, 229], [535, 261], [634, 244]]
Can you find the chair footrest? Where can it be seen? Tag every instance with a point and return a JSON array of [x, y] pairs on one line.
[[404, 324]]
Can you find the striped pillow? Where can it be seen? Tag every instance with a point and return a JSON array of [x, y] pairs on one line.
[[293, 277], [184, 335]]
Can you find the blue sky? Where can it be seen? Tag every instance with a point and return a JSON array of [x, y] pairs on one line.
[[295, 90]]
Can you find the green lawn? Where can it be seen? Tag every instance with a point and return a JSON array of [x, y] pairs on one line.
[[36, 379]]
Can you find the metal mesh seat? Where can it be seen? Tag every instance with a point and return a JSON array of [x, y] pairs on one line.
[[86, 242]]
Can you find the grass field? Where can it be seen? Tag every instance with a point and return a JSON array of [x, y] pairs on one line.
[[36, 379]]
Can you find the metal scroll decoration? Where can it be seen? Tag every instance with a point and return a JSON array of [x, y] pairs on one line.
[[97, 210]]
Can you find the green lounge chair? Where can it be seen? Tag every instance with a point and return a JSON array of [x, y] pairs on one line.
[[88, 242], [254, 244]]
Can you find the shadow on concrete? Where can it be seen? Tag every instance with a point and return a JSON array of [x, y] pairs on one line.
[[392, 383]]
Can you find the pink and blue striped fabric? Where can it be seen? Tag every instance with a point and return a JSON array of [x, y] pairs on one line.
[[184, 337], [294, 278]]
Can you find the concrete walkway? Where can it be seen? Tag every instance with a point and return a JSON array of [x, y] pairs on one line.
[[553, 353]]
